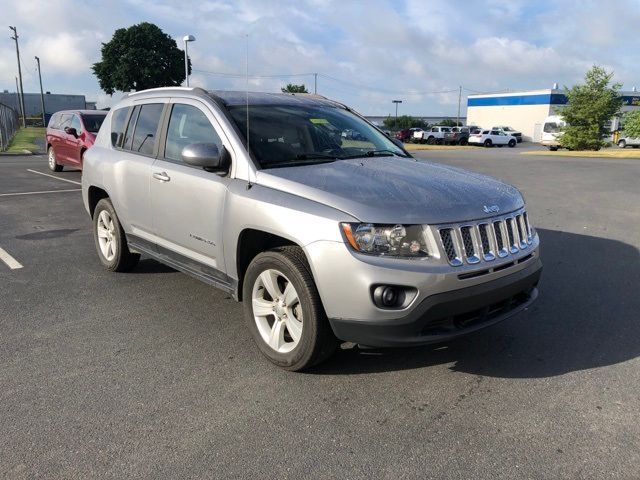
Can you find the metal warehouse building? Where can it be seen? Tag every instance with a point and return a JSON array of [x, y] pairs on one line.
[[53, 102], [526, 110]]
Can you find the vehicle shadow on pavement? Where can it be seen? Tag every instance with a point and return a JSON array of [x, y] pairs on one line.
[[149, 265], [587, 316]]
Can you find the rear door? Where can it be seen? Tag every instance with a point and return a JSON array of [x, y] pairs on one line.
[[188, 202], [75, 143], [136, 139], [61, 145]]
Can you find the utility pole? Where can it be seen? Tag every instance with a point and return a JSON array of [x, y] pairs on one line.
[[18, 107], [44, 122], [396, 102], [15, 37], [315, 83], [187, 39], [459, 100]]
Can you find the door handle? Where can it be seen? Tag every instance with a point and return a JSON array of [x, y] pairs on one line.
[[162, 176]]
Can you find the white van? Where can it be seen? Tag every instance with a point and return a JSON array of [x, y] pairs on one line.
[[551, 130]]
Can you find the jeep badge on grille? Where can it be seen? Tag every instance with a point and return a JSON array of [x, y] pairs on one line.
[[491, 209]]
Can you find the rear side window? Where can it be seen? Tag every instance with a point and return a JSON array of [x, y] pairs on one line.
[[144, 138], [65, 121], [117, 126], [128, 136], [54, 120], [188, 125]]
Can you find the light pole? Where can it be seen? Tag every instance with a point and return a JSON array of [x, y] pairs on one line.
[[396, 102], [44, 123], [24, 113], [187, 39]]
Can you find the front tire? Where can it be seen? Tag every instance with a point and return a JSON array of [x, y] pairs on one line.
[[622, 143], [110, 240], [512, 143], [284, 312], [53, 163]]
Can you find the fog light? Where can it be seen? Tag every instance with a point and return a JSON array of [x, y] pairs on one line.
[[390, 296]]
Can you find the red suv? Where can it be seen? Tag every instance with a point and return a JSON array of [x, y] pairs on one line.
[[69, 134]]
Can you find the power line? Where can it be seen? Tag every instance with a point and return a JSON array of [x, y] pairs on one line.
[[330, 78]]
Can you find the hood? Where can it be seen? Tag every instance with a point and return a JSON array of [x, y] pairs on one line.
[[396, 190]]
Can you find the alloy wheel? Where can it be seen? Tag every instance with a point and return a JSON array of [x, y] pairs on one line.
[[107, 236], [277, 311]]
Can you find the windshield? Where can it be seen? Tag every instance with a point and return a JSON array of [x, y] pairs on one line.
[[92, 122], [551, 127], [289, 135]]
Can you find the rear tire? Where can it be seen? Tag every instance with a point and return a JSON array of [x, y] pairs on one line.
[[110, 240], [430, 141], [553, 149], [488, 143], [293, 331], [463, 142], [53, 163]]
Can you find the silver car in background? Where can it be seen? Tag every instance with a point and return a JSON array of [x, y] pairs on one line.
[[325, 236]]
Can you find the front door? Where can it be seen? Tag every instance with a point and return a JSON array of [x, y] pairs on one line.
[[188, 202]]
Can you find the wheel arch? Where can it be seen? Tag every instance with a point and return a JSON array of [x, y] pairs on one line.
[[252, 242], [94, 195]]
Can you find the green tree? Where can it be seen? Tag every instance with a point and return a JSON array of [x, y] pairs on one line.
[[632, 124], [589, 107], [291, 88], [448, 122], [139, 57], [404, 121]]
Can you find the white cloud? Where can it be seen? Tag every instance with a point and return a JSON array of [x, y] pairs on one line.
[[381, 49]]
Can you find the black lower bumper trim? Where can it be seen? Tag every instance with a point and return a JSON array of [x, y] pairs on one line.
[[448, 315]]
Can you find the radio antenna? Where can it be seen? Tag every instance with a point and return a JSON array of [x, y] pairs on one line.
[[247, 105]]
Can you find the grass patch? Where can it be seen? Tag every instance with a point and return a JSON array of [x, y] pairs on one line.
[[607, 153], [25, 139]]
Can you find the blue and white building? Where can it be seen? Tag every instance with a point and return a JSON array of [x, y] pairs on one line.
[[526, 110]]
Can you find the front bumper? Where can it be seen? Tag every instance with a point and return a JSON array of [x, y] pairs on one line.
[[447, 315]]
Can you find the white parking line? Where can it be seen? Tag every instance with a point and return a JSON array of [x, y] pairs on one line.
[[11, 262], [36, 193], [53, 176]]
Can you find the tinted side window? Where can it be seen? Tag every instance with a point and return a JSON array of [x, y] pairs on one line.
[[128, 136], [188, 125], [75, 123], [144, 138], [117, 126]]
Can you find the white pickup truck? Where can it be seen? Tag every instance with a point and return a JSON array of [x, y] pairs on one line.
[[435, 134]]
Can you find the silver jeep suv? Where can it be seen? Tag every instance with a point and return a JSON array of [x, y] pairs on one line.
[[323, 236]]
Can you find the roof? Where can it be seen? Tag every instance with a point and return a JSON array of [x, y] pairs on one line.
[[84, 112], [238, 98]]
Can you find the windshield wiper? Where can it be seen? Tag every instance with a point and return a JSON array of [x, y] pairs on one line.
[[373, 153], [312, 155]]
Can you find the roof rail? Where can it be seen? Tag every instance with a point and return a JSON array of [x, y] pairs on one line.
[[162, 89]]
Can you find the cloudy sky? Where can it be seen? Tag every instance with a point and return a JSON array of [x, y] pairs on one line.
[[366, 52]]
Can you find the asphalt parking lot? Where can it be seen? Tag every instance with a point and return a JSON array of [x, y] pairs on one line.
[[152, 374]]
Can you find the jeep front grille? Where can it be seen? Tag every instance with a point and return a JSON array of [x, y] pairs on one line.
[[486, 240]]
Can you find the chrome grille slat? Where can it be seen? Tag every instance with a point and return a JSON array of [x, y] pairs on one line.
[[486, 240]]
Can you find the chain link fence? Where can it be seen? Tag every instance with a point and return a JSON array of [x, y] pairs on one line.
[[8, 125]]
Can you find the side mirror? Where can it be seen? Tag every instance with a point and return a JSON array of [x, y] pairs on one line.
[[71, 131], [207, 156]]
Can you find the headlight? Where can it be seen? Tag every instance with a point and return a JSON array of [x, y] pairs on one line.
[[387, 240]]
